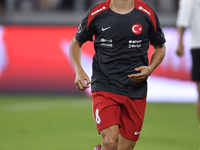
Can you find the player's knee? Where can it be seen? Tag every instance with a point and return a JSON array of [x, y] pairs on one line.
[[110, 144], [110, 138]]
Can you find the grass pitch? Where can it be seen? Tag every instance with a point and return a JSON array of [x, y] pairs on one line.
[[66, 123]]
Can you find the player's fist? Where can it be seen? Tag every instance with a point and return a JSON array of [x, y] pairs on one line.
[[82, 80], [139, 77]]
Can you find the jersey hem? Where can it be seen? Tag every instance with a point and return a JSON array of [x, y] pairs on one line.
[[118, 93]]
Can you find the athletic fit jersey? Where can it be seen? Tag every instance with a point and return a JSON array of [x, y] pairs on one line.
[[121, 44]]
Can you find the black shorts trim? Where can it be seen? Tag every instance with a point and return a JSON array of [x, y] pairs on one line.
[[195, 64]]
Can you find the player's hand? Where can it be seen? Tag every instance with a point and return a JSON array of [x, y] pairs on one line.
[[180, 50], [139, 77], [82, 80]]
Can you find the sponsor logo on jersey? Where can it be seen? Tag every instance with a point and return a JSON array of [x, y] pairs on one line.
[[137, 28], [99, 10], [79, 29], [144, 10], [106, 42], [134, 43]]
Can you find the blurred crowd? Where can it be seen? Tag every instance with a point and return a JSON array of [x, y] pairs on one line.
[[30, 5], [77, 5]]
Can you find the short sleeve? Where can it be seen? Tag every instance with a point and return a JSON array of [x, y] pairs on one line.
[[156, 35], [85, 32]]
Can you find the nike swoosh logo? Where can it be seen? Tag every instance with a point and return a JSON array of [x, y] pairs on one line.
[[104, 29], [136, 133]]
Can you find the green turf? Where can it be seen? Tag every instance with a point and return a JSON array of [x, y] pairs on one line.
[[66, 123]]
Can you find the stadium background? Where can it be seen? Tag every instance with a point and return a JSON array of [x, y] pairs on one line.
[[40, 108], [35, 59], [34, 41]]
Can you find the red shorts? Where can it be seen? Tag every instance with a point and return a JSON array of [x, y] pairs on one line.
[[112, 109]]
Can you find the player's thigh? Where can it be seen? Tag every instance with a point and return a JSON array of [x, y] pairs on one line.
[[132, 117], [106, 112], [125, 144]]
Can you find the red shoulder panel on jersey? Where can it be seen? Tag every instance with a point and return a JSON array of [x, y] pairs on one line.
[[96, 10], [143, 7]]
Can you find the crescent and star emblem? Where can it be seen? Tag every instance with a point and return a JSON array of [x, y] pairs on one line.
[[137, 28]]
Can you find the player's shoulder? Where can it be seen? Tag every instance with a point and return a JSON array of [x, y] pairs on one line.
[[147, 10], [96, 10], [99, 8], [144, 8]]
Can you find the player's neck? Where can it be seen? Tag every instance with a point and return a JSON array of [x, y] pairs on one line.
[[122, 6]]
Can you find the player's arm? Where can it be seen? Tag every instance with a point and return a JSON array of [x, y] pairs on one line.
[[180, 48], [157, 57], [82, 80]]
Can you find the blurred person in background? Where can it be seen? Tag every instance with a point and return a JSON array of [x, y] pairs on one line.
[[82, 5], [50, 4], [188, 16], [153, 3], [66, 4], [27, 5], [90, 3], [32, 5], [94, 2], [120, 67], [2, 6]]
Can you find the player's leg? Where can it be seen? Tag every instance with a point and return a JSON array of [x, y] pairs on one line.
[[125, 144], [106, 114], [198, 102], [132, 111], [110, 138]]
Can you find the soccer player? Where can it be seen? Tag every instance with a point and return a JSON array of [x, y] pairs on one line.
[[188, 16], [122, 31]]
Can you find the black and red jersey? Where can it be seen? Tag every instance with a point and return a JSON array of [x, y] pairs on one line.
[[121, 44]]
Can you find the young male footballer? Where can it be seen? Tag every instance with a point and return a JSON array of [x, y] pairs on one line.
[[122, 31]]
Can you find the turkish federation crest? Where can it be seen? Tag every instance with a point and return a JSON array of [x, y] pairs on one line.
[[137, 28]]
